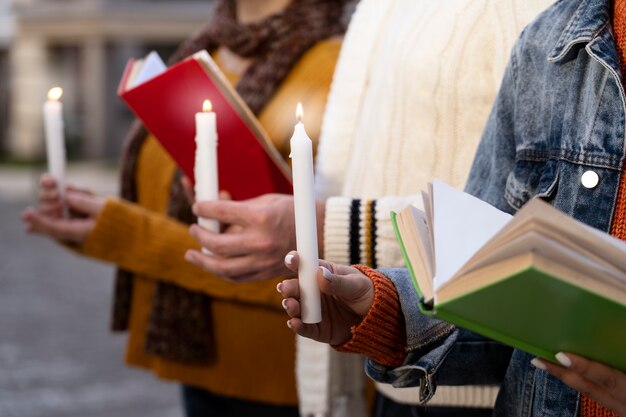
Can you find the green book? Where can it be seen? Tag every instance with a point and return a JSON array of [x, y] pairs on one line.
[[539, 281]]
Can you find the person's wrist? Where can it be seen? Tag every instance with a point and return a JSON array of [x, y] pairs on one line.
[[384, 319]]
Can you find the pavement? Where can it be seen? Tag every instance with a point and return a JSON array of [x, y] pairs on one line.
[[57, 356]]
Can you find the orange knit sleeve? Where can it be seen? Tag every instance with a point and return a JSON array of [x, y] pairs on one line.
[[381, 336], [154, 245]]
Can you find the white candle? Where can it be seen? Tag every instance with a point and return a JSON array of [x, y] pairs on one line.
[[55, 142], [205, 169], [306, 223]]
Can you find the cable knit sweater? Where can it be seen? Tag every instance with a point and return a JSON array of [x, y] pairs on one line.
[[411, 94]]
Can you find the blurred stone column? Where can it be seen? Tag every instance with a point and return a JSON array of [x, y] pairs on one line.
[[119, 117], [29, 89], [94, 96]]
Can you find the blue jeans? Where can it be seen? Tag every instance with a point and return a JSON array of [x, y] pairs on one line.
[[201, 403], [385, 407]]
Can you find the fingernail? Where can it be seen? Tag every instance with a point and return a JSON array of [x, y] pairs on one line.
[[279, 287], [189, 257], [288, 259], [538, 364], [192, 230], [194, 209], [563, 359], [326, 273], [289, 324], [284, 303]]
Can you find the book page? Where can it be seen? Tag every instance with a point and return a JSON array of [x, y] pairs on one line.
[[151, 66], [536, 240], [414, 230], [132, 75], [589, 242], [462, 225], [571, 231], [540, 228], [572, 269]]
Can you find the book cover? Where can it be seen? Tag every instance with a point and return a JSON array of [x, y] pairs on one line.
[[543, 283], [248, 163]]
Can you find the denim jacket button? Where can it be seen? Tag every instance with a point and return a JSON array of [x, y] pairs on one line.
[[590, 179]]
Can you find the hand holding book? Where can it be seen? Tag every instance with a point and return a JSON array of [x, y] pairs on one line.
[[603, 384]]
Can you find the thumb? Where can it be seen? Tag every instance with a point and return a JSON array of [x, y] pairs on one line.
[[349, 286], [84, 203]]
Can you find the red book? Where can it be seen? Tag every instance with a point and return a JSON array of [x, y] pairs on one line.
[[248, 163]]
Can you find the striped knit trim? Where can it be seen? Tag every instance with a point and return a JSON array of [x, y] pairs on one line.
[[351, 231], [469, 396], [372, 239], [366, 247], [381, 336], [355, 246]]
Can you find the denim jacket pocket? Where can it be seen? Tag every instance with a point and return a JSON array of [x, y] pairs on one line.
[[534, 175]]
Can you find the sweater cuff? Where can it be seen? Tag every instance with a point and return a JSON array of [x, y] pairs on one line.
[[381, 336], [350, 234]]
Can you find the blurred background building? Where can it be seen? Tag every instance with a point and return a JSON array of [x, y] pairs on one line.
[[57, 355], [82, 46], [6, 35]]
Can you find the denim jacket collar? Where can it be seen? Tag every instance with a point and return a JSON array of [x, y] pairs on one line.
[[591, 17]]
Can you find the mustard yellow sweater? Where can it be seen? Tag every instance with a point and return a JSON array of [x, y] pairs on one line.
[[254, 349]]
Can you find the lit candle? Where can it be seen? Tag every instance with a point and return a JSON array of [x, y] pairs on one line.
[[55, 143], [306, 223], [205, 169]]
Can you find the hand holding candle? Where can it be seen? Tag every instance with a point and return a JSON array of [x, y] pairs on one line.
[[306, 222], [55, 142], [205, 169]]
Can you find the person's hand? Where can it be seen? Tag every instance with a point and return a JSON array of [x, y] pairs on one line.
[[190, 193], [50, 202], [47, 219], [256, 233], [605, 385], [347, 296]]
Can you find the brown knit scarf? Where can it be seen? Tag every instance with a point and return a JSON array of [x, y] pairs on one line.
[[180, 326]]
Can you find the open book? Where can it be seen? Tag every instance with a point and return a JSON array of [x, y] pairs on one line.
[[166, 100], [539, 281]]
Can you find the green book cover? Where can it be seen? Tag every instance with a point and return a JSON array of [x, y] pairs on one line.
[[543, 315]]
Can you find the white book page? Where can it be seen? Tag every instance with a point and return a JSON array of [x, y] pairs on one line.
[[462, 225], [602, 244], [152, 66]]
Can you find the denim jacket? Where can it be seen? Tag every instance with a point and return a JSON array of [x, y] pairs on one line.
[[559, 114]]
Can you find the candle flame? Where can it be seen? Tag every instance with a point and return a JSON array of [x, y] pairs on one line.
[[55, 93], [299, 113], [207, 106]]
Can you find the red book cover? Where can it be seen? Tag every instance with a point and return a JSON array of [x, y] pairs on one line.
[[248, 163]]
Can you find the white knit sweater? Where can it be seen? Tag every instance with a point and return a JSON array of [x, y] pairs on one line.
[[411, 94]]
